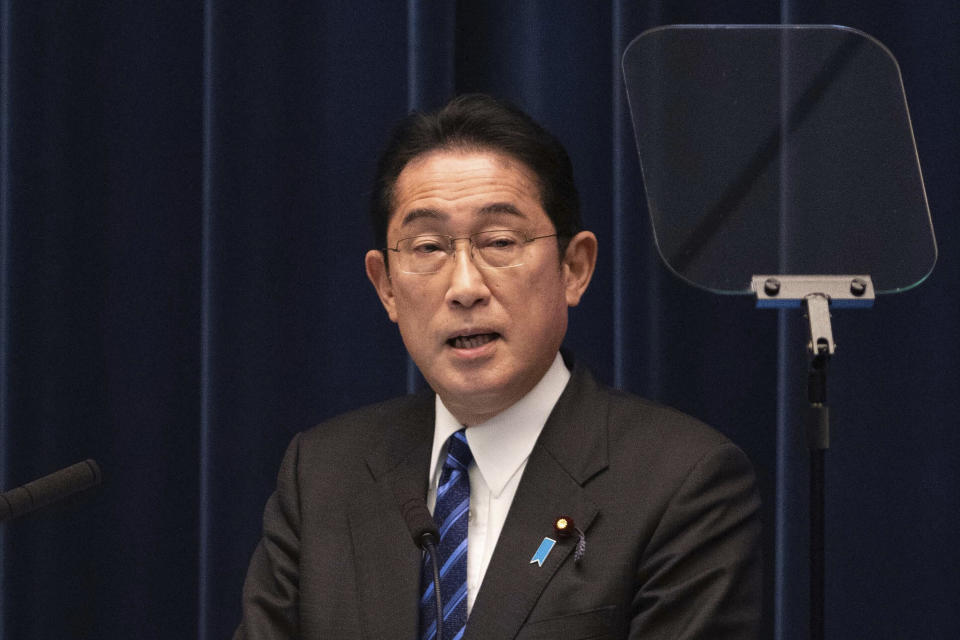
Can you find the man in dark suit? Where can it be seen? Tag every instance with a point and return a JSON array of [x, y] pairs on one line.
[[565, 509]]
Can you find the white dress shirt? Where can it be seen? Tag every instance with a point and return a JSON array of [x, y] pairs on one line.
[[500, 447]]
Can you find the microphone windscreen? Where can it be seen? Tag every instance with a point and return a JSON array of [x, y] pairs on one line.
[[414, 510], [48, 489], [419, 520]]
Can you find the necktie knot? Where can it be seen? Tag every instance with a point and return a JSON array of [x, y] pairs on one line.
[[458, 452]]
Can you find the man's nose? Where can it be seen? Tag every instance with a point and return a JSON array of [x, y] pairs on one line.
[[467, 284]]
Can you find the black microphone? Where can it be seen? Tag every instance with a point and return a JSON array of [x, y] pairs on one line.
[[419, 521], [423, 530], [48, 489]]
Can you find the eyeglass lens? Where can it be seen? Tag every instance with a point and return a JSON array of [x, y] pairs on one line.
[[496, 249]]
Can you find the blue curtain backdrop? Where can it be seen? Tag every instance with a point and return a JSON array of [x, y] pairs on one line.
[[184, 189]]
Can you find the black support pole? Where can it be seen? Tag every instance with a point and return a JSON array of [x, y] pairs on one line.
[[818, 441]]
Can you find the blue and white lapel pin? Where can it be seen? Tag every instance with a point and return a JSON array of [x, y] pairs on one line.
[[543, 551]]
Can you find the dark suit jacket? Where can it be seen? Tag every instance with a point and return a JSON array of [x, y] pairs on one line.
[[668, 506]]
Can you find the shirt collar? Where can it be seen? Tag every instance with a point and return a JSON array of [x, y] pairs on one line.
[[502, 444]]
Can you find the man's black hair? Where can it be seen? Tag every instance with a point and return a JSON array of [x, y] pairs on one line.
[[480, 122]]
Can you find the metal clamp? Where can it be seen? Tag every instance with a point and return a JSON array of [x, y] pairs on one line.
[[774, 291], [817, 295]]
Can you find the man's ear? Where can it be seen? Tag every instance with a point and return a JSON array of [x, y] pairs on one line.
[[578, 264], [380, 278]]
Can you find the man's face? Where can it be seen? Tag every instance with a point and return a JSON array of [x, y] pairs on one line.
[[481, 337]]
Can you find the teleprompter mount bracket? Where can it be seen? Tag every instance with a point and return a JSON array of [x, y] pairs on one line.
[[816, 295]]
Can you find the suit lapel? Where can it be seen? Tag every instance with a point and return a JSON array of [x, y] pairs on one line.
[[572, 448], [386, 560]]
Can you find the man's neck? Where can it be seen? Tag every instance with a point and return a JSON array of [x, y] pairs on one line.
[[555, 376]]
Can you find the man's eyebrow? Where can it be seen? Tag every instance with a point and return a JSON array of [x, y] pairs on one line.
[[418, 214], [433, 214], [500, 207]]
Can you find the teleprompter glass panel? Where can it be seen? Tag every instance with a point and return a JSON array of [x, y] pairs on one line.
[[781, 149]]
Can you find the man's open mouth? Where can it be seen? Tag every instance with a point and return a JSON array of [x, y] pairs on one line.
[[472, 341]]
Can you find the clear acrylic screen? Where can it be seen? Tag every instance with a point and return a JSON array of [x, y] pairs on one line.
[[777, 150]]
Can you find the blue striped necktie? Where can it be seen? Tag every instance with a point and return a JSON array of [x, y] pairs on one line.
[[451, 516]]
